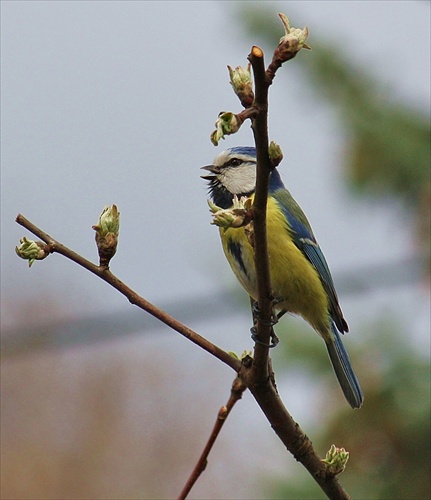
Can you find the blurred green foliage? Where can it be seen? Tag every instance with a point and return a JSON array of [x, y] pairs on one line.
[[389, 438]]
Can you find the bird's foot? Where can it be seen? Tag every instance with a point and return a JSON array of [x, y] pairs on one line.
[[256, 316], [273, 321], [274, 338]]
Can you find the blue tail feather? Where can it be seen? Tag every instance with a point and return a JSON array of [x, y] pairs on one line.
[[343, 370]]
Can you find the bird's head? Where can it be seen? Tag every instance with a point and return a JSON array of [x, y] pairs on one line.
[[233, 172]]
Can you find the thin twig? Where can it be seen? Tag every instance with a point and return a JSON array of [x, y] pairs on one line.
[[106, 275], [237, 390]]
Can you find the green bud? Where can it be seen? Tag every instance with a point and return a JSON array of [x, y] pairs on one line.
[[107, 231], [31, 250], [275, 154], [336, 459], [241, 81], [238, 215], [227, 218], [213, 207], [109, 221], [293, 40], [227, 123]]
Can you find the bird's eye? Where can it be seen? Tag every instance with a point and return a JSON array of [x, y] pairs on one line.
[[235, 162]]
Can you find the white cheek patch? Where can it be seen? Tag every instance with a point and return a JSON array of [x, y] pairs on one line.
[[238, 180]]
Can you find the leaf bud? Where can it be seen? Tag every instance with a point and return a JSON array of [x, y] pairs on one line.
[[242, 83], [336, 459], [32, 250], [107, 231]]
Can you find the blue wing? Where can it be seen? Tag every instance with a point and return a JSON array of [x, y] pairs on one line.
[[315, 255], [304, 239]]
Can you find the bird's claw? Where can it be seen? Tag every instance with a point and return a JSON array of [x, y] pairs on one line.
[[274, 338], [256, 316]]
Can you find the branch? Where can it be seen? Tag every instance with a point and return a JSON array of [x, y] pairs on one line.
[[255, 372], [257, 379], [237, 390], [53, 246], [292, 436], [263, 169]]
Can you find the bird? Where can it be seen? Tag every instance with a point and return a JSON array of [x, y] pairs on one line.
[[300, 277]]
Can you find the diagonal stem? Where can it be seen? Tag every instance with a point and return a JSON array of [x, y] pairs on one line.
[[106, 275], [238, 387]]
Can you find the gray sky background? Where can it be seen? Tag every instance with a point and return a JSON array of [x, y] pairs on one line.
[[114, 102]]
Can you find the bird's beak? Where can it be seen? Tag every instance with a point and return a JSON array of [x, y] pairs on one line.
[[210, 168]]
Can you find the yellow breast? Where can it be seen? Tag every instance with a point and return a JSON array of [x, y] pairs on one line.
[[295, 283]]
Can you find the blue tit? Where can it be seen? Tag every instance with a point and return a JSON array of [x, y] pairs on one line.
[[300, 277]]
